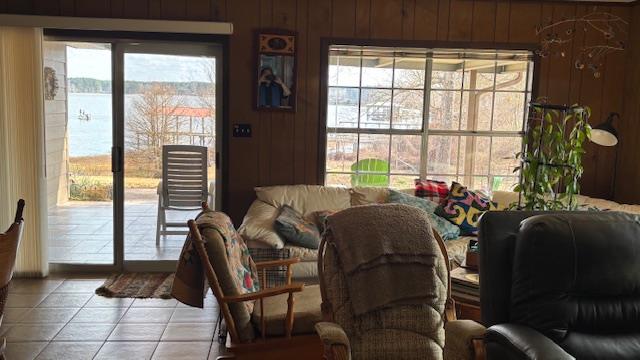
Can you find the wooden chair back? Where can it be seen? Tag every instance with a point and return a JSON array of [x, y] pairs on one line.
[[9, 242], [184, 176]]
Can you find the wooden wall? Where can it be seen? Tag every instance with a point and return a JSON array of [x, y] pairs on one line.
[[284, 147], [628, 166]]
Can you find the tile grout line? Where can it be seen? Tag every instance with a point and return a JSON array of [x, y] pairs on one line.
[[56, 334], [114, 324]]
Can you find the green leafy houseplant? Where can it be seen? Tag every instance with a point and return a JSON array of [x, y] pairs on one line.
[[551, 164]]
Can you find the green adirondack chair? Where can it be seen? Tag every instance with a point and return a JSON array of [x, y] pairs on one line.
[[370, 172]]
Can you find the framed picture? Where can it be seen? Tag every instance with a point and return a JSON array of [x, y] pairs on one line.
[[275, 74]]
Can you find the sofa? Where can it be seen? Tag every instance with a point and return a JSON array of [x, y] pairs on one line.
[[560, 285], [258, 225]]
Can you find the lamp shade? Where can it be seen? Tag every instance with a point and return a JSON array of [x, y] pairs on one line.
[[605, 134]]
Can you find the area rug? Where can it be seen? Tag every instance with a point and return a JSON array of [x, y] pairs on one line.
[[137, 285]]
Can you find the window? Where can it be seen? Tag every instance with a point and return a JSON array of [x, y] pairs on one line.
[[394, 115]]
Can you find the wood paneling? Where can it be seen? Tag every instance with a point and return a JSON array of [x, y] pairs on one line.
[[284, 147], [386, 19], [444, 6], [628, 166], [93, 8], [46, 7], [484, 21], [363, 18], [137, 9], [460, 20], [426, 23]]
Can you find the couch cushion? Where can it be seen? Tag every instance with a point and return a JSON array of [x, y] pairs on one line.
[[258, 226], [368, 195], [305, 198], [306, 312], [320, 218], [296, 230], [305, 254], [305, 271], [457, 249], [504, 198]]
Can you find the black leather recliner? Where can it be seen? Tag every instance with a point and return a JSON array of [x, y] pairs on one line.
[[560, 285]]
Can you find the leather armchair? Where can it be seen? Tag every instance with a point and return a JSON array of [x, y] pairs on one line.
[[560, 285]]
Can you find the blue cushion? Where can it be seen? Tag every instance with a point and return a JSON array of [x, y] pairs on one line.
[[447, 230]]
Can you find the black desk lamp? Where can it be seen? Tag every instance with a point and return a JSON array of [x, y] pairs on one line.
[[605, 134]]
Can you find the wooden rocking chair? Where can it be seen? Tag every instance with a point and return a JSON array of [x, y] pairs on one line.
[[271, 330], [9, 242]]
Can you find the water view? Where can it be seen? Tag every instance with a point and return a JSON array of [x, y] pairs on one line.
[[90, 123]]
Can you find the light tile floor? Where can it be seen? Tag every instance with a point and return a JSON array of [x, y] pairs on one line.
[[82, 231], [62, 318]]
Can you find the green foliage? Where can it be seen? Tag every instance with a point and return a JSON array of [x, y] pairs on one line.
[[551, 165], [89, 189]]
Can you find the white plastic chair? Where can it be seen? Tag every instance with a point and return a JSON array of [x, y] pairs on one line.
[[184, 185]]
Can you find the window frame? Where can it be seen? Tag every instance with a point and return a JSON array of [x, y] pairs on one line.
[[424, 132]]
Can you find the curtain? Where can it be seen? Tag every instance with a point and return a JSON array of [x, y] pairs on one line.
[[21, 144]]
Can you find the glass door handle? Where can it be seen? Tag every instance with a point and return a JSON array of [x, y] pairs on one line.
[[116, 159]]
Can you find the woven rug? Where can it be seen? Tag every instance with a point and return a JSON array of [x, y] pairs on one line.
[[137, 285]]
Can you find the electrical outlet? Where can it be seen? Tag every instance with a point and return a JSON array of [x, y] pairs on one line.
[[242, 130]]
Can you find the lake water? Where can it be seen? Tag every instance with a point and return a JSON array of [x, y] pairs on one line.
[[94, 137]]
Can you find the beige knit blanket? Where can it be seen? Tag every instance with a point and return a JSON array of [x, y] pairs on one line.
[[388, 255]]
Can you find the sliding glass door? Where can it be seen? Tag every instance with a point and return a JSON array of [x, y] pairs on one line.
[[111, 109], [169, 101], [78, 141]]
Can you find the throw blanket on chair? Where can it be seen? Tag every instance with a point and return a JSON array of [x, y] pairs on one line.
[[189, 285], [388, 254], [189, 282]]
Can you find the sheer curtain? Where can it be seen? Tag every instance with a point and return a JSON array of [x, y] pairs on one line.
[[21, 143]]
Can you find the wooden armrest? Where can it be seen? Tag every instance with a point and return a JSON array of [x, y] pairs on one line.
[[290, 288], [274, 263]]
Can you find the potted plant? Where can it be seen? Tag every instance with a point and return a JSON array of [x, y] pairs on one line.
[[551, 161]]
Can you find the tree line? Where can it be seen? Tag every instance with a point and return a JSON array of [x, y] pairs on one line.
[[96, 86]]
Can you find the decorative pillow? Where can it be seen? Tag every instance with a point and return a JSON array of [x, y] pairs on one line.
[[463, 207], [320, 218], [295, 230], [433, 190], [447, 230]]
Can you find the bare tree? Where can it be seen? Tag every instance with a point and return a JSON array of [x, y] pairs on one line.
[[153, 122], [206, 98], [207, 94]]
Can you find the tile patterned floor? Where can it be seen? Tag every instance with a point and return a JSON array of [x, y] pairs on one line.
[[61, 318], [82, 231]]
